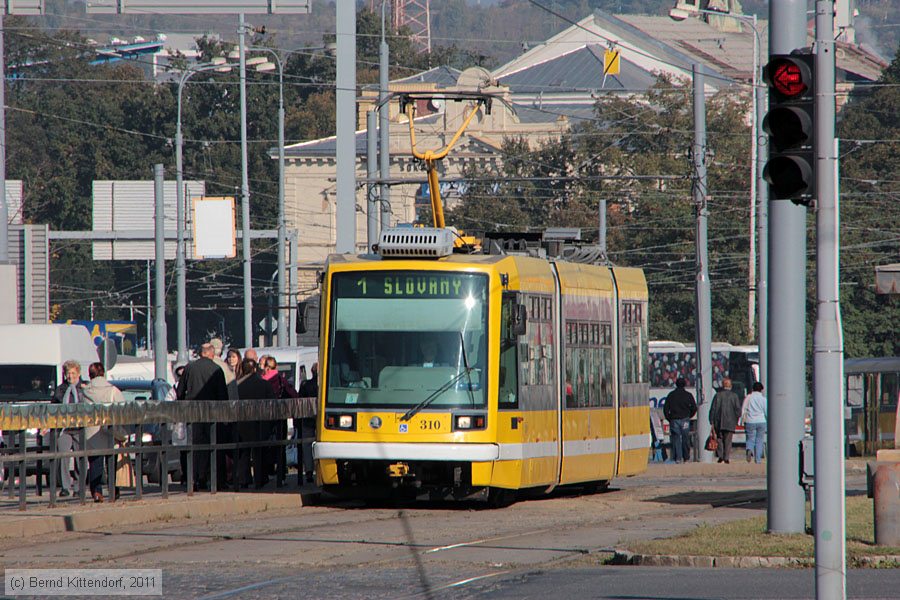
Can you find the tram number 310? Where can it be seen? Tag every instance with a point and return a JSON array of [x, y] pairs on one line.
[[429, 425]]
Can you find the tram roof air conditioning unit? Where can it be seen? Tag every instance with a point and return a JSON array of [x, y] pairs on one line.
[[416, 242]]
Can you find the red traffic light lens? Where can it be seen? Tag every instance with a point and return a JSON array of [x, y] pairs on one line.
[[786, 77]]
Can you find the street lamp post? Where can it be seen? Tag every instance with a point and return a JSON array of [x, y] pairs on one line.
[[679, 14], [282, 278], [219, 65]]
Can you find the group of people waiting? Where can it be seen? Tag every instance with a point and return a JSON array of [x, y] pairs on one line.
[[207, 378], [247, 377], [725, 414]]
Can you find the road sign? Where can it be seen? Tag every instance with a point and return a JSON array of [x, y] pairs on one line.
[[612, 61]]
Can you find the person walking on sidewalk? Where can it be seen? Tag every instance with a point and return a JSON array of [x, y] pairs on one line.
[[755, 415], [680, 406], [724, 414]]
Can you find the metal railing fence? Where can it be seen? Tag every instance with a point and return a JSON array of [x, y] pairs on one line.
[[121, 420]]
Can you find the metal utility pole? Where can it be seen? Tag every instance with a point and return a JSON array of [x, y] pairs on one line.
[[283, 335], [762, 224], [160, 343], [786, 389], [756, 126], [245, 191], [702, 287], [384, 144], [371, 159], [4, 211], [601, 239], [828, 344], [345, 223]]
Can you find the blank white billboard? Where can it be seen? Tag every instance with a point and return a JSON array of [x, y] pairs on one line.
[[127, 206], [194, 7], [214, 228]]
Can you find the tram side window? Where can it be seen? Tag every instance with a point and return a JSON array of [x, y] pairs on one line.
[[509, 360], [536, 351], [635, 344], [889, 391], [588, 364]]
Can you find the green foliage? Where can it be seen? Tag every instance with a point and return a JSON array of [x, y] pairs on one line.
[[869, 128]]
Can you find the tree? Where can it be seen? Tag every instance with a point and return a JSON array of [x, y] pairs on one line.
[[868, 127]]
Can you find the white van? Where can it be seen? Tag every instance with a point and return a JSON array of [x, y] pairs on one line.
[[138, 368], [295, 362], [31, 359]]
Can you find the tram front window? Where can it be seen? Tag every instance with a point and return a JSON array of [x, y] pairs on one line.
[[398, 338]]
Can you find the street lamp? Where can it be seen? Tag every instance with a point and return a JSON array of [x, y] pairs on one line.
[[756, 161], [265, 66], [219, 65]]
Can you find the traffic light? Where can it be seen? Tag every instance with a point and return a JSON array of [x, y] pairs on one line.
[[790, 123]]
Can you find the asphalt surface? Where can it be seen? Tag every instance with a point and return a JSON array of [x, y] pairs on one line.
[[551, 546]]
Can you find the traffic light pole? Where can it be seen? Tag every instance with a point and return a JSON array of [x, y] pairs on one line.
[[828, 357], [786, 390]]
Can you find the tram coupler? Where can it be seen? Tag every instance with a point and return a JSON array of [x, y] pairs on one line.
[[399, 469]]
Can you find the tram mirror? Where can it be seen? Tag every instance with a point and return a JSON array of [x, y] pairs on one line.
[[302, 317], [520, 319]]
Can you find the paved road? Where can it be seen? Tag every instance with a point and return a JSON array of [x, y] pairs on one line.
[[531, 549]]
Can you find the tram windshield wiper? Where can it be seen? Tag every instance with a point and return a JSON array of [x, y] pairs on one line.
[[433, 396], [462, 348]]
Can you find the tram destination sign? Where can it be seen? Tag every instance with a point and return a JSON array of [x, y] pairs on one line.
[[393, 284]]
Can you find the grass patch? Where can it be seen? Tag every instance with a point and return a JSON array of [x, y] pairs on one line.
[[748, 537]]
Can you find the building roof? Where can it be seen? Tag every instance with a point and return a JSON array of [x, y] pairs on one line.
[[326, 147], [577, 71], [442, 76]]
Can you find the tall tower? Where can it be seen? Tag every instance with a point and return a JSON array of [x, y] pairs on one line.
[[414, 14]]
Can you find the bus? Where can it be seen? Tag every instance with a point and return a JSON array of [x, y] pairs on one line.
[[475, 375], [872, 393], [671, 360]]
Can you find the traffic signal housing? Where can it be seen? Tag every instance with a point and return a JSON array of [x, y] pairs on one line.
[[790, 123]]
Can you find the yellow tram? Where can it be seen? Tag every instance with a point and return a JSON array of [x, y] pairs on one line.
[[450, 375]]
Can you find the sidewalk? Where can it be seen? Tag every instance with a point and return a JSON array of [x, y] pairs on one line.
[[74, 516]]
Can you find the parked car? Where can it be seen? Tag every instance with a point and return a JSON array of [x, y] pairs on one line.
[[142, 389]]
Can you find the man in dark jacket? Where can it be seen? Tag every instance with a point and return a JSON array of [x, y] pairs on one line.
[[309, 389], [680, 406], [251, 387], [203, 379], [723, 417]]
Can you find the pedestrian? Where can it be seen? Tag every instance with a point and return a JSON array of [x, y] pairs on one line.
[[724, 414], [68, 392], [251, 387], [100, 391], [678, 409], [203, 379], [755, 415], [233, 360], [309, 389], [283, 389], [216, 343]]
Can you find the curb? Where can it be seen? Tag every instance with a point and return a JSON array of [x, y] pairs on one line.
[[623, 557], [139, 512]]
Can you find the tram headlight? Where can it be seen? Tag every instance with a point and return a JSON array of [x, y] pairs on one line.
[[469, 422], [345, 421]]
